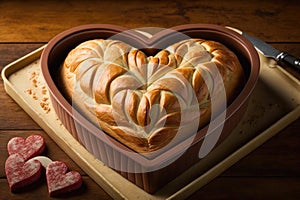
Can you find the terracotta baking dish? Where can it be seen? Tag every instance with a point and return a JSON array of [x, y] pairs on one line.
[[148, 171]]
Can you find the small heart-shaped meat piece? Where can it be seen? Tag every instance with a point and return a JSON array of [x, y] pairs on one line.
[[59, 180], [20, 173], [32, 146]]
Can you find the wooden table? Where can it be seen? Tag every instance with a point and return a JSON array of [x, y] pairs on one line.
[[270, 172]]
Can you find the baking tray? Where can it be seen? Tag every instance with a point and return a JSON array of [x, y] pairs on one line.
[[271, 107]]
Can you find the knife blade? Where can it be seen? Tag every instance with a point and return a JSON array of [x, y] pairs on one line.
[[269, 51]]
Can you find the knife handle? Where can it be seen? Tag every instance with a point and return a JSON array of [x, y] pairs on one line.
[[284, 57]]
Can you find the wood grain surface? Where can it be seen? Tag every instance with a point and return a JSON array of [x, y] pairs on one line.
[[270, 172]]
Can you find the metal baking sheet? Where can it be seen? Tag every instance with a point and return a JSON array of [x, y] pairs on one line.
[[272, 107]]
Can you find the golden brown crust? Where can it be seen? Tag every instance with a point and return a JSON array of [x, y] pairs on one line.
[[143, 101]]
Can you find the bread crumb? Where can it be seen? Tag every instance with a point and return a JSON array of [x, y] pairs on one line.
[[35, 97], [34, 81], [28, 91], [45, 99], [45, 106], [33, 74], [44, 91]]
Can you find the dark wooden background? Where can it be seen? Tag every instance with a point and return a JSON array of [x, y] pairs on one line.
[[270, 172]]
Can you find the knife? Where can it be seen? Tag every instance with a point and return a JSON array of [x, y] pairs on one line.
[[269, 51]]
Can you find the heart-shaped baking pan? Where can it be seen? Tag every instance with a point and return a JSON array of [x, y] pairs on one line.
[[148, 171]]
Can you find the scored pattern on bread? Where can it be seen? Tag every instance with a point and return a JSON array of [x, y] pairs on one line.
[[143, 101]]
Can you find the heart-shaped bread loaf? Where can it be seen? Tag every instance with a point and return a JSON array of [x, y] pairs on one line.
[[144, 101]]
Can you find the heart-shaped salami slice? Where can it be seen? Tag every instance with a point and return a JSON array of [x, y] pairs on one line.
[[21, 173], [30, 147], [59, 180]]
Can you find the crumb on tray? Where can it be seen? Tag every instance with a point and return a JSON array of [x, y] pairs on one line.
[[38, 90]]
